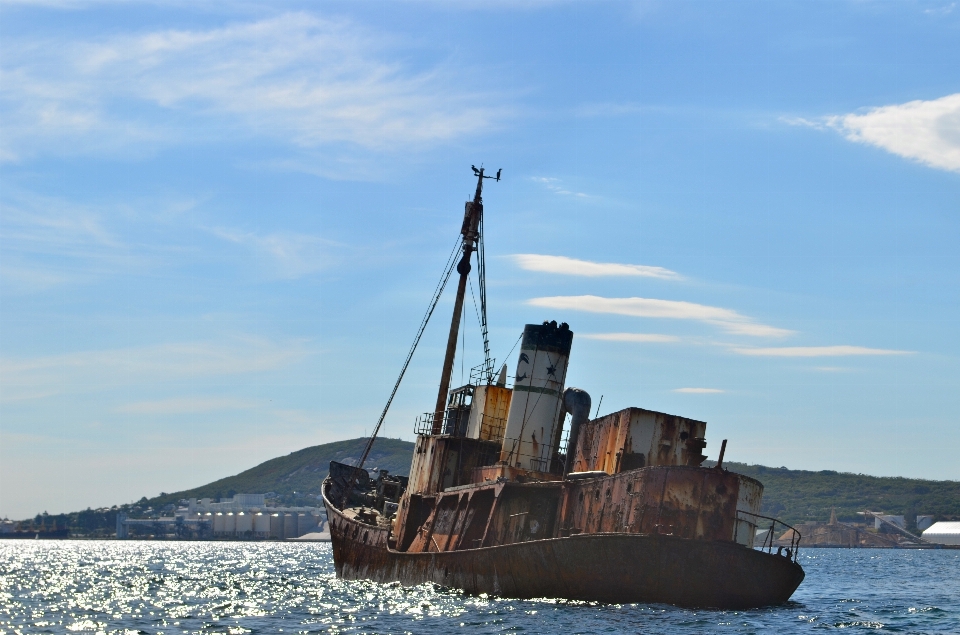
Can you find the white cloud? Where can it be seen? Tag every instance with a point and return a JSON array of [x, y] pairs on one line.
[[575, 267], [925, 131], [186, 405], [818, 351], [630, 337], [727, 319], [296, 77], [699, 391]]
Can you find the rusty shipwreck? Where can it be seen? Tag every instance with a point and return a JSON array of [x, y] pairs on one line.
[[501, 501]]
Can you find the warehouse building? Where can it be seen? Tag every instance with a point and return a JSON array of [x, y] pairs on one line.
[[943, 533]]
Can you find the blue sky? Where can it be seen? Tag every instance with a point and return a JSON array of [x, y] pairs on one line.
[[221, 224]]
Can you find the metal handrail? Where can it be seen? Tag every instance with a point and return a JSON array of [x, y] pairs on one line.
[[483, 373], [794, 548], [491, 427], [424, 422]]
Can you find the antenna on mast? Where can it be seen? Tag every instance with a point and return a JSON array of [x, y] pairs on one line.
[[482, 275]]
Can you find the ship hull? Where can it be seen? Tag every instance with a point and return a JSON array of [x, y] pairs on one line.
[[612, 567]]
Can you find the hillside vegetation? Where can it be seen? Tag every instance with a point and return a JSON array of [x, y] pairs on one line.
[[799, 495], [300, 473], [792, 495]]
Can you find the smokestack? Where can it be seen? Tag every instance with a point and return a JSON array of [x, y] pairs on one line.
[[535, 407]]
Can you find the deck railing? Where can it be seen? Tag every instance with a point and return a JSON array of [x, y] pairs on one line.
[[769, 541]]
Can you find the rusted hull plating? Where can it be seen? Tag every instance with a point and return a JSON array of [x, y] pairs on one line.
[[608, 567]]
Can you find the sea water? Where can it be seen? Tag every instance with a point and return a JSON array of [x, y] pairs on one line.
[[246, 587]]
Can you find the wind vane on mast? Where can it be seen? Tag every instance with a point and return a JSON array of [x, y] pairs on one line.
[[480, 173]]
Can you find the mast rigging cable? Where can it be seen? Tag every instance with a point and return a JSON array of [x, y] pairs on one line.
[[451, 263]]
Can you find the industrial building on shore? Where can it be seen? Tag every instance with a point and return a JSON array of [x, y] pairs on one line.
[[943, 533], [886, 531], [242, 517]]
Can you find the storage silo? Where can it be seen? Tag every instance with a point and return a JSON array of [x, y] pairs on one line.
[[290, 525], [533, 423], [218, 524], [276, 526], [943, 533], [924, 522], [307, 524], [244, 524], [261, 525], [229, 524], [899, 521]]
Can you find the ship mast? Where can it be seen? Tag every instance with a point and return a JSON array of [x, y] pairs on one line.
[[470, 230]]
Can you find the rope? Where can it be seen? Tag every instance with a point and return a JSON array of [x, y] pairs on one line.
[[438, 291]]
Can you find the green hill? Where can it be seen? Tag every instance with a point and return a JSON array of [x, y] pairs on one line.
[[299, 474], [798, 495], [792, 495]]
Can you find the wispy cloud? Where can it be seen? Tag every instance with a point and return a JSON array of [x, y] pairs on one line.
[[631, 337], [818, 351], [557, 187], [45, 375], [47, 241], [726, 319], [575, 267], [298, 78], [699, 391], [186, 405], [291, 254], [926, 131], [941, 10]]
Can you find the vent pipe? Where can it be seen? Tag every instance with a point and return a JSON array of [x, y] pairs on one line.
[[577, 403]]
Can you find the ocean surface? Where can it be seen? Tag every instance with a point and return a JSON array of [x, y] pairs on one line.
[[235, 587]]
